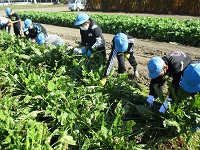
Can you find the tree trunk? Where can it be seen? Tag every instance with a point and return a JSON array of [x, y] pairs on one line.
[[34, 1]]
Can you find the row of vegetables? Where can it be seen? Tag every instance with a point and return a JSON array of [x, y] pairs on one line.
[[186, 32]]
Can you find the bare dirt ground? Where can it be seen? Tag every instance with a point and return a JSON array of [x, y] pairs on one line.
[[144, 49]]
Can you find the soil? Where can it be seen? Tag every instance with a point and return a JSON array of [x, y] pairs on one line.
[[144, 48]]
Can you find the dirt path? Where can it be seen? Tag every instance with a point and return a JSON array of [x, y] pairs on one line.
[[144, 49]]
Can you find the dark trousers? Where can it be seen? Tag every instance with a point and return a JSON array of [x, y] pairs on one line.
[[17, 31], [102, 51], [121, 61], [6, 28]]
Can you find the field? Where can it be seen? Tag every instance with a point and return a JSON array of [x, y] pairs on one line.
[[57, 106], [144, 49]]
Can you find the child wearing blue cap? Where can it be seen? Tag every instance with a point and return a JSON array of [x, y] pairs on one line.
[[91, 35], [123, 47], [31, 30], [4, 24], [190, 81], [172, 65], [15, 20], [52, 39]]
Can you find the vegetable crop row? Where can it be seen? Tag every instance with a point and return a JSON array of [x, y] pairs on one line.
[[50, 99], [185, 32]]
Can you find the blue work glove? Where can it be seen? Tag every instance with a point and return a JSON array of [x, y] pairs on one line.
[[89, 53], [150, 100], [164, 106], [84, 50]]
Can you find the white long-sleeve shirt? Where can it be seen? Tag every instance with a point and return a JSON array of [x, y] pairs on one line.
[[53, 39], [3, 20]]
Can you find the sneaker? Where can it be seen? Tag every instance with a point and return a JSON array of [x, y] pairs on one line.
[[136, 74]]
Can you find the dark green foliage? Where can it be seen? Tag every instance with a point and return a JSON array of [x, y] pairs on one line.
[[160, 29], [51, 99]]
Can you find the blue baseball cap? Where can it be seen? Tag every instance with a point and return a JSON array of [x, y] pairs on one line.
[[40, 38], [121, 42], [155, 66], [81, 18], [27, 24], [190, 81], [7, 10]]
